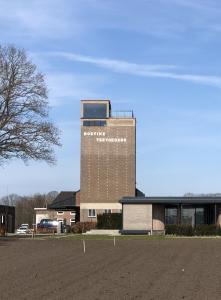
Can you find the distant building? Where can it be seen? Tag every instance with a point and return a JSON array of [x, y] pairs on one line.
[[7, 219], [65, 208], [108, 158]]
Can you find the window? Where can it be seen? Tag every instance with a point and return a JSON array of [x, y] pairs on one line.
[[107, 211], [188, 216], [73, 213], [193, 215], [72, 221], [3, 219], [60, 212], [92, 213], [95, 110], [94, 123]]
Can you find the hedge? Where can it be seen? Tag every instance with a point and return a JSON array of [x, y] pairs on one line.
[[207, 230], [81, 227], [109, 221], [188, 230]]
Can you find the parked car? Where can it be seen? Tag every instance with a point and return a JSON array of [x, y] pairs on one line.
[[25, 225], [23, 229], [47, 225]]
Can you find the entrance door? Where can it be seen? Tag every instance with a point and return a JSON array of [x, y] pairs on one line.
[[200, 218]]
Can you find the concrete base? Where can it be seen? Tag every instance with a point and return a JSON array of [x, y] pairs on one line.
[[138, 232]]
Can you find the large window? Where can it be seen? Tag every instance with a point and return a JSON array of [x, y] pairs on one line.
[[171, 215], [186, 214], [193, 216], [95, 110]]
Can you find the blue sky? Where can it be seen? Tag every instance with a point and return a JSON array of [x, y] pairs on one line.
[[160, 58]]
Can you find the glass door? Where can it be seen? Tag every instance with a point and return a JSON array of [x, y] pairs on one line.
[[200, 217], [188, 216]]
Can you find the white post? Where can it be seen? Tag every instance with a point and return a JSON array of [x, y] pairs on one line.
[[84, 246], [215, 215]]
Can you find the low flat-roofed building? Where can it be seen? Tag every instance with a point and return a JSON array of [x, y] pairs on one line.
[[151, 214], [7, 218]]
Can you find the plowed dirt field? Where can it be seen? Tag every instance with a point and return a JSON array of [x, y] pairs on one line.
[[133, 269]]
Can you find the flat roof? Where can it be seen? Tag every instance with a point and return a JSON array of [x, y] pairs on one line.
[[171, 200], [95, 100]]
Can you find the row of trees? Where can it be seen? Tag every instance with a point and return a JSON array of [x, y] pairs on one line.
[[25, 205]]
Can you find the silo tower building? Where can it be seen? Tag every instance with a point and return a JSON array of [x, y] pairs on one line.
[[108, 158]]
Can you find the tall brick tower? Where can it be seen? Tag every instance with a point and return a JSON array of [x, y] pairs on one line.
[[108, 158]]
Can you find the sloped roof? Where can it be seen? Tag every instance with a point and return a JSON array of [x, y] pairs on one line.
[[65, 199], [139, 193]]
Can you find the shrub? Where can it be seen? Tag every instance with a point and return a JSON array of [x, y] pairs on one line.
[[171, 229], [109, 221], [2, 230], [218, 230], [204, 230], [183, 230], [81, 227]]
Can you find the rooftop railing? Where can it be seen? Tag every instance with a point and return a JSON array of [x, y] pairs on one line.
[[122, 114]]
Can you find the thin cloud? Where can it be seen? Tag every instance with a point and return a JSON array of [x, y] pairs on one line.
[[199, 5], [152, 71], [54, 19]]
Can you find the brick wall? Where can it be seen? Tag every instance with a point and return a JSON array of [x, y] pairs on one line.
[[78, 198], [52, 214], [108, 168]]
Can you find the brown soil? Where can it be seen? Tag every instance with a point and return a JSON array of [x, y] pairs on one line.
[[133, 269]]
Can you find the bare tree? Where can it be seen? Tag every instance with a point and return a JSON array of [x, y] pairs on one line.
[[25, 131], [10, 199], [25, 208], [51, 196]]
